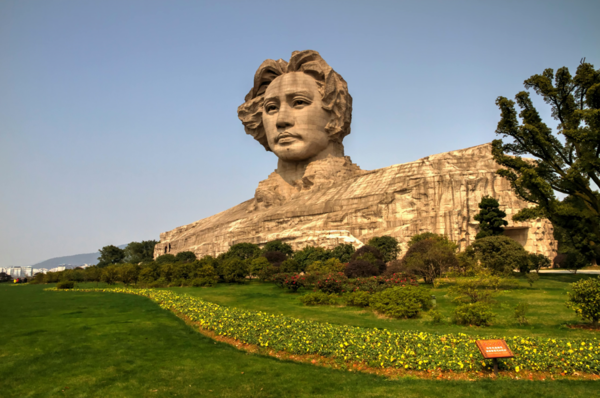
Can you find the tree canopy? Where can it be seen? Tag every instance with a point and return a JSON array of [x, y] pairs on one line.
[[387, 246], [490, 217], [137, 252], [110, 255], [569, 165]]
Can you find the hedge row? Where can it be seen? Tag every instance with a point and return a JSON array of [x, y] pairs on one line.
[[376, 347]]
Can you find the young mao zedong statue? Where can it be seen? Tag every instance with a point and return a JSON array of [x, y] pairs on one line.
[[301, 111]]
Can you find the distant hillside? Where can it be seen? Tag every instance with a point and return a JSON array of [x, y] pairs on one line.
[[74, 260]]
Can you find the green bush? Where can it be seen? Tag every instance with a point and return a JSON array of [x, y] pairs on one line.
[[436, 316], [318, 298], [290, 266], [585, 299], [234, 270], [201, 282], [500, 254], [332, 283], [257, 265], [267, 273], [473, 290], [479, 314], [521, 312], [160, 282], [358, 299], [65, 285], [401, 302]]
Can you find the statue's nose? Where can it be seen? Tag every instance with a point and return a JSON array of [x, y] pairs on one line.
[[284, 116]]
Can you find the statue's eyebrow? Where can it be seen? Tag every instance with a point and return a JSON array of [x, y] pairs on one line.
[[293, 92]]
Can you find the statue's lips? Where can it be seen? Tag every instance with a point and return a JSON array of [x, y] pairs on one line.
[[286, 138]]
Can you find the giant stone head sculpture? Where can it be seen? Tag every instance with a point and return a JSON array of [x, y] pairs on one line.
[[300, 110]]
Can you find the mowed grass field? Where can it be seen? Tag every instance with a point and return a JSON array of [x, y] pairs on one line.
[[115, 345]]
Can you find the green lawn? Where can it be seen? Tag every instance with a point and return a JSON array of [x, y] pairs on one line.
[[114, 345], [548, 315]]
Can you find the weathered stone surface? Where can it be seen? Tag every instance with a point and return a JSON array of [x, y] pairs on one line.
[[339, 203]]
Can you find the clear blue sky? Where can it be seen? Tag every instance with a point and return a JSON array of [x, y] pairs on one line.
[[118, 118]]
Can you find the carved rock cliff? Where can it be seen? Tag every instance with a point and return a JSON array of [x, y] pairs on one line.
[[336, 202]]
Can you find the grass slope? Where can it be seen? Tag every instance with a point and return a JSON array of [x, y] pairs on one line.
[[112, 345]]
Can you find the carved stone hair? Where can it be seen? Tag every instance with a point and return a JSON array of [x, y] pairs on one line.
[[332, 87]]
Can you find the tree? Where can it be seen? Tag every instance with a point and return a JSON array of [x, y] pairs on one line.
[[110, 255], [372, 255], [165, 259], [537, 261], [310, 254], [387, 246], [429, 259], [490, 217], [110, 274], [244, 251], [129, 273], [4, 277], [343, 252], [185, 257], [500, 254], [234, 270], [585, 299], [138, 252], [568, 166], [278, 246]]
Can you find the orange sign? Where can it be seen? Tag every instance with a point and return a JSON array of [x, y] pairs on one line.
[[494, 349]]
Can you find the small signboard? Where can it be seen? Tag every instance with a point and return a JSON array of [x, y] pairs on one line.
[[491, 349]]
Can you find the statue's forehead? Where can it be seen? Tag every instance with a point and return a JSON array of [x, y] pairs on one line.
[[291, 83]]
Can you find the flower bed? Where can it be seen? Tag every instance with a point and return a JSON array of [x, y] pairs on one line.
[[375, 347]]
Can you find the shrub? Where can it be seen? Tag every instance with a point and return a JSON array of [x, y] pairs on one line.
[[331, 265], [393, 267], [585, 299], [401, 302], [278, 246], [387, 246], [267, 273], [234, 270], [478, 314], [293, 282], [147, 275], [520, 312], [343, 252], [371, 255], [289, 265], [332, 283], [65, 285], [358, 299], [243, 251], [360, 269], [201, 282], [160, 282], [185, 257], [275, 258], [474, 290], [378, 283], [309, 255], [500, 254], [532, 277], [429, 258], [165, 258], [436, 316], [258, 264], [318, 298], [537, 261]]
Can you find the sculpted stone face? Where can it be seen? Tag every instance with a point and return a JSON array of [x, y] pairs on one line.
[[294, 119]]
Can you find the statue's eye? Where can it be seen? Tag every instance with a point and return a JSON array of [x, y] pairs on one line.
[[299, 102], [271, 108]]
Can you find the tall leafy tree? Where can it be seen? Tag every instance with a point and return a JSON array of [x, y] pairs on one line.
[[570, 165], [490, 217], [110, 255], [138, 252], [387, 246]]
